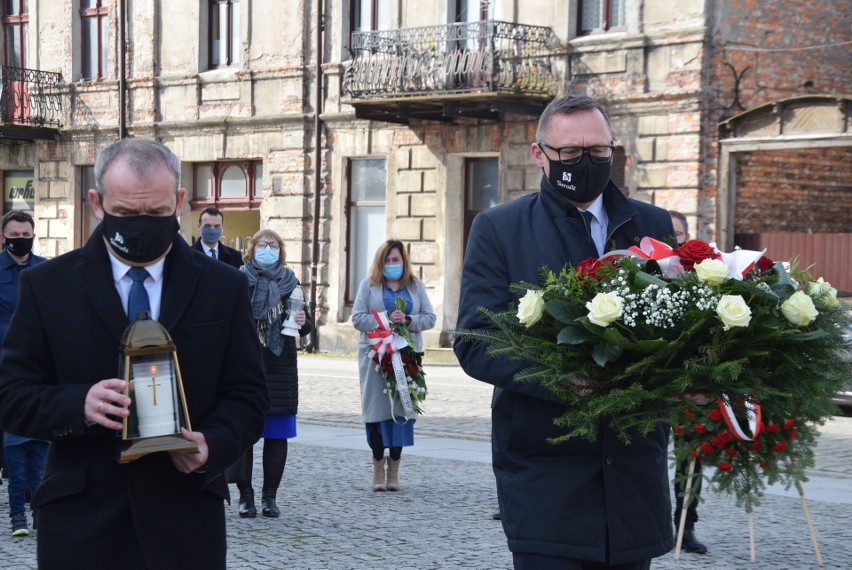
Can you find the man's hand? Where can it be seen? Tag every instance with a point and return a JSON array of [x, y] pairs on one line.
[[190, 462], [697, 398], [581, 386], [106, 397]]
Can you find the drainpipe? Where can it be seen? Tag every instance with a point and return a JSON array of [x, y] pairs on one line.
[[314, 344], [122, 70]]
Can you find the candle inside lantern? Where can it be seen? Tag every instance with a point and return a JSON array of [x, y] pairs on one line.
[[153, 387]]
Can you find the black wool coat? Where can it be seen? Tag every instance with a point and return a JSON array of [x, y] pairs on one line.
[[226, 254], [589, 501]]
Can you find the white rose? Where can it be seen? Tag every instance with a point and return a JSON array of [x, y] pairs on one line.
[[605, 308], [531, 307], [823, 291], [711, 271], [733, 311], [799, 309]]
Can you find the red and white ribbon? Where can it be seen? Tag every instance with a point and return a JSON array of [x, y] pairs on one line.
[[385, 341], [752, 414]]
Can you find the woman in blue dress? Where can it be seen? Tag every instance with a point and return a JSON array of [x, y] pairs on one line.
[[390, 276]]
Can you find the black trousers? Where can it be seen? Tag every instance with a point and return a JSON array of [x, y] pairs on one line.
[[695, 491], [542, 562]]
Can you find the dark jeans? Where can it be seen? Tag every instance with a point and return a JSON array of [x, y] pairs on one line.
[[542, 562], [25, 464], [694, 490]]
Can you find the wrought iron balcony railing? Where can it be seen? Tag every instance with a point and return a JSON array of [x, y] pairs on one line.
[[30, 97], [472, 57]]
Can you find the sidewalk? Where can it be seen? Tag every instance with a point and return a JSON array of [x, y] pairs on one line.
[[442, 516]]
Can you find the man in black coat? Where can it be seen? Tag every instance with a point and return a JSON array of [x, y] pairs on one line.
[[59, 378], [211, 224], [563, 506]]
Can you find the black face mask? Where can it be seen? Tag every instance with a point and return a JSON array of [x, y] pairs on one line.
[[580, 183], [139, 239], [20, 246]]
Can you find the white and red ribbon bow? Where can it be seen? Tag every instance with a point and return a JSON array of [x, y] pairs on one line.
[[752, 414], [383, 339]]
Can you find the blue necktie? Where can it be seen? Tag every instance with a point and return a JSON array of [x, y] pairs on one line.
[[213, 253], [588, 216], [137, 301]]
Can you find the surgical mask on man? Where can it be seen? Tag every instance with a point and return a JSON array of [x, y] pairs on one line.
[[266, 256], [19, 246], [392, 272], [580, 183], [139, 239], [211, 235]]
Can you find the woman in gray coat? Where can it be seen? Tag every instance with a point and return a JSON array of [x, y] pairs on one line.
[[390, 277]]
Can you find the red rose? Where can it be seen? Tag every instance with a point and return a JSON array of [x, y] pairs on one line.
[[780, 446], [707, 448], [677, 430], [718, 442], [755, 445], [589, 268], [764, 464], [765, 264], [724, 466], [695, 251], [404, 357], [412, 370], [730, 452], [688, 413], [700, 428], [695, 454], [789, 423], [792, 433], [726, 436], [714, 415], [772, 428]]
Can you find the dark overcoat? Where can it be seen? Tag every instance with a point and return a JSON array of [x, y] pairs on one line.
[[227, 254], [63, 338], [560, 500]]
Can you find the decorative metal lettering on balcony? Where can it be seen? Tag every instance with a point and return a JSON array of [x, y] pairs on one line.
[[471, 57], [30, 97]]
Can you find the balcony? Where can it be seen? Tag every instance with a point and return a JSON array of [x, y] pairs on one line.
[[30, 104], [440, 73]]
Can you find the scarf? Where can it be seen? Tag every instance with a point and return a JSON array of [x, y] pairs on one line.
[[269, 285]]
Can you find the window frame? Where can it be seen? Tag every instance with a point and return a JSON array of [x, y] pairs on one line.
[[231, 39], [249, 201], [100, 13], [21, 20], [605, 19], [348, 294]]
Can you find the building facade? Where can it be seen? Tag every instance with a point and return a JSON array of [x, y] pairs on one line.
[[341, 124]]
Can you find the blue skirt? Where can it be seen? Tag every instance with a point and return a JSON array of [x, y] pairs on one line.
[[279, 426], [394, 434]]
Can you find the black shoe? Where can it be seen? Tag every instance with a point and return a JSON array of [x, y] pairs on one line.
[[268, 506], [247, 508], [496, 516], [692, 544]]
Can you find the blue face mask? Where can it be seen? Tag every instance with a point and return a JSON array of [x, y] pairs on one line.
[[392, 272], [266, 256], [211, 235]]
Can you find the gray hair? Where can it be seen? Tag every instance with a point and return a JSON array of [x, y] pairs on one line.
[[141, 155], [566, 105]]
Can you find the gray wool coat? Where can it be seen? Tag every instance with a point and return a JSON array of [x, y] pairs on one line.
[[375, 405]]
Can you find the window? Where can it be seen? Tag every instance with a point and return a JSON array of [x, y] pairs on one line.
[[473, 10], [94, 25], [16, 25], [227, 185], [365, 218], [224, 33], [481, 189], [597, 16], [368, 15]]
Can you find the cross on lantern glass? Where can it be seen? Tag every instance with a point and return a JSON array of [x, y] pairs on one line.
[[149, 367]]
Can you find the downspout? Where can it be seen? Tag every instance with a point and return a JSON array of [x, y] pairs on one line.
[[122, 71], [314, 344]]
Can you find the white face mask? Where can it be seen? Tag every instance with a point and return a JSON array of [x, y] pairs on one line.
[[266, 256]]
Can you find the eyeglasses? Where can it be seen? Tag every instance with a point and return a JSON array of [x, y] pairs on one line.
[[600, 154], [265, 244]]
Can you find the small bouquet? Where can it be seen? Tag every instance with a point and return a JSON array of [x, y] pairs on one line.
[[398, 362]]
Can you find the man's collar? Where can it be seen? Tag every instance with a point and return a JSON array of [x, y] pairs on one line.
[[596, 208], [120, 269]]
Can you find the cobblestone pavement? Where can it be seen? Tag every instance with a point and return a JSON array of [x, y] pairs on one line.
[[442, 516]]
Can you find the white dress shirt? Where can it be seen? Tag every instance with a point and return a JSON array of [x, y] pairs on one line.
[[153, 283], [599, 224]]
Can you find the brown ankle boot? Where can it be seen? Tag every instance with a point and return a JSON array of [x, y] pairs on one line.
[[379, 474], [393, 474]]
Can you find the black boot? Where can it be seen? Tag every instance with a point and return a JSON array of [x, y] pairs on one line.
[[247, 508], [267, 502], [691, 542]]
